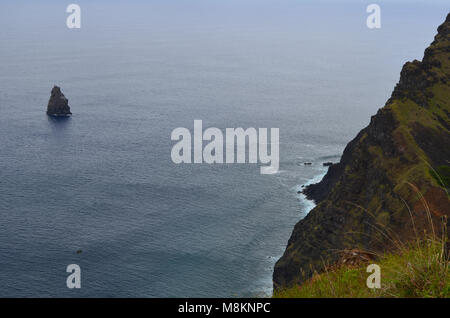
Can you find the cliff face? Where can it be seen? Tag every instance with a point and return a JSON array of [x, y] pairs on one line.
[[403, 154], [58, 105]]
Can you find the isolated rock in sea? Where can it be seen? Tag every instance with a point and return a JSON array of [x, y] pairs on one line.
[[58, 105]]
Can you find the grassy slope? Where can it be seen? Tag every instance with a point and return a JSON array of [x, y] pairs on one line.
[[416, 271]]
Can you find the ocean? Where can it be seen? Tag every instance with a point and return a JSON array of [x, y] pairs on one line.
[[100, 189]]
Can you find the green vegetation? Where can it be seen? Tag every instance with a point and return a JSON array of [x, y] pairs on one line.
[[419, 270], [442, 175]]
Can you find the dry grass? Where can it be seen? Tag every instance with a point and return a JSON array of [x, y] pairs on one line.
[[411, 269]]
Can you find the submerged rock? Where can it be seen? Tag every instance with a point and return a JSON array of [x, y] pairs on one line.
[[58, 105]]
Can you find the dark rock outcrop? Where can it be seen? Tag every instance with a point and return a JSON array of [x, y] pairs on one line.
[[58, 105], [384, 176]]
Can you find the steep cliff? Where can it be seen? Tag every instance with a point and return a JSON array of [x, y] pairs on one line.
[[390, 176]]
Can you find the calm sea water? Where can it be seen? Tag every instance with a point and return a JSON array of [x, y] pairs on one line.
[[103, 181]]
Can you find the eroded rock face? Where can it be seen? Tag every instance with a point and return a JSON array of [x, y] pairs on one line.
[[58, 105], [373, 189]]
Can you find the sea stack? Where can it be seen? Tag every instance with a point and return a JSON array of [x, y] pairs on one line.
[[58, 105]]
